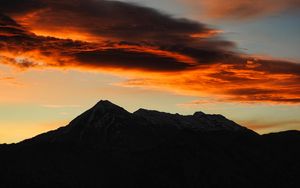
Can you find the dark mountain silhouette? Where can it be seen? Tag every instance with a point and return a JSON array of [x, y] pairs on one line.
[[107, 146]]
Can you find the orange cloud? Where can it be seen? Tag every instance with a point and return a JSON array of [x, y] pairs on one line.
[[243, 9], [165, 53], [208, 34], [227, 83]]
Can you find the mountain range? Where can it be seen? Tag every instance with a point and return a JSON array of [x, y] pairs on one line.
[[107, 146]]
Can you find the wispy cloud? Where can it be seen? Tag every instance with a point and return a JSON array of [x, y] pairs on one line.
[[10, 80], [242, 9], [60, 106], [199, 102], [272, 126]]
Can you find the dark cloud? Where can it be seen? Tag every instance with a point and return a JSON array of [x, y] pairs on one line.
[[252, 91], [112, 19], [20, 6], [130, 60], [108, 54], [278, 67], [8, 27], [99, 34]]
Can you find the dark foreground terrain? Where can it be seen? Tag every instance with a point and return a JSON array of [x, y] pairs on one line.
[[107, 146]]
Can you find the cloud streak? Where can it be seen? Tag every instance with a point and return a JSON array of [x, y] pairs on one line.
[[243, 9], [151, 49], [60, 106], [271, 126]]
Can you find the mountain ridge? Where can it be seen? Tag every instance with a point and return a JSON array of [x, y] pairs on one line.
[[107, 146], [106, 120]]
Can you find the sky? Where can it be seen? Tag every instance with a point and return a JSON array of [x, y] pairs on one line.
[[58, 58]]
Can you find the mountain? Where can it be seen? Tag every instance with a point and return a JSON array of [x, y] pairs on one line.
[[108, 125], [107, 146]]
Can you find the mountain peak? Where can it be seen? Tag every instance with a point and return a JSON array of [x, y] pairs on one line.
[[107, 106], [199, 113], [105, 103]]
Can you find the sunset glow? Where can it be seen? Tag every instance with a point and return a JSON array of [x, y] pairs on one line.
[[69, 54]]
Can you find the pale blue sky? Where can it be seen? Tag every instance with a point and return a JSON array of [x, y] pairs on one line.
[[276, 35]]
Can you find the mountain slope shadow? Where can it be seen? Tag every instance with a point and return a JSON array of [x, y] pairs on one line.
[[107, 146]]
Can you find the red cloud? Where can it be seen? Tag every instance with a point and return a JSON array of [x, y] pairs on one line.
[[152, 49], [229, 83]]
